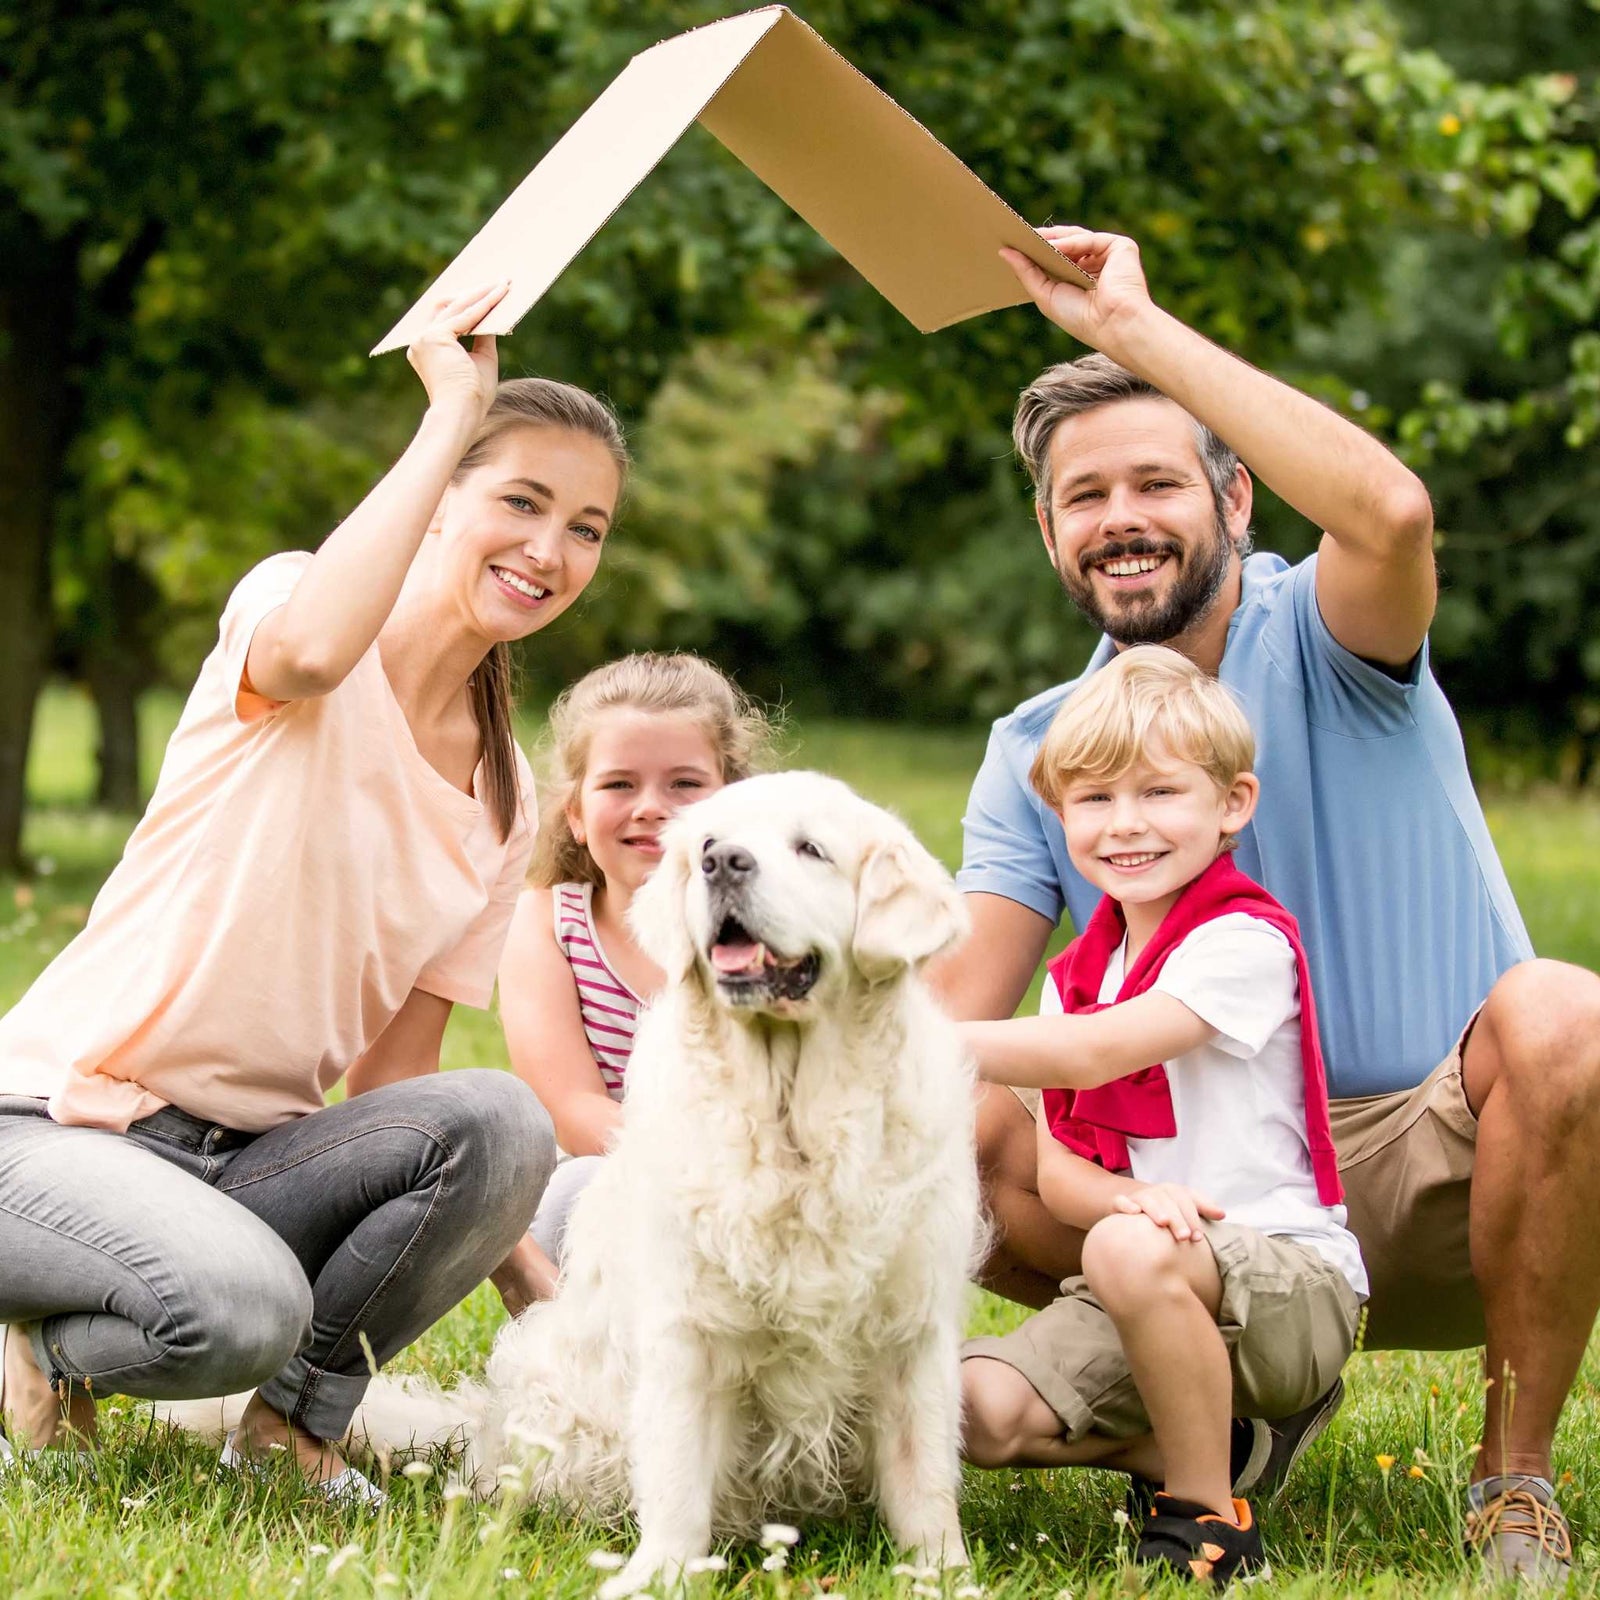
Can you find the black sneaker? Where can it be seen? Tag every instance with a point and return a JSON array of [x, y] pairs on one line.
[[1184, 1536]]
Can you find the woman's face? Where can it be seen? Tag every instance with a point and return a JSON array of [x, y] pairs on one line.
[[521, 534], [642, 766]]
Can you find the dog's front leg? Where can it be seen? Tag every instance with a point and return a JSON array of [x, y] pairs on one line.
[[679, 1431], [916, 1444]]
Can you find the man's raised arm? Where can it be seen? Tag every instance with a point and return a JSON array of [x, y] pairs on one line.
[[1375, 577]]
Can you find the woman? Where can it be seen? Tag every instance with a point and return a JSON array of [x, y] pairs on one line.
[[330, 860]]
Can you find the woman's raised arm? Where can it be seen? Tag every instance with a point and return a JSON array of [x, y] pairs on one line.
[[310, 643]]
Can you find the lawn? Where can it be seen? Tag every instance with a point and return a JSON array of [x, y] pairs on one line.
[[155, 1518]]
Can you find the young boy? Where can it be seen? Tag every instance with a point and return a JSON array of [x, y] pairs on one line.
[[1218, 1278]]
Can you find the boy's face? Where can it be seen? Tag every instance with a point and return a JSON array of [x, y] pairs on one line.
[[1144, 836]]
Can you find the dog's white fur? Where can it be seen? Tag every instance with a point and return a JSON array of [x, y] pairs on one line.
[[764, 1288]]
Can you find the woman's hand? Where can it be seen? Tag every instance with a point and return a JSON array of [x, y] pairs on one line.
[[1091, 316], [458, 379]]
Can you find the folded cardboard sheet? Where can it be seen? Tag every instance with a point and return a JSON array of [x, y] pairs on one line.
[[867, 176]]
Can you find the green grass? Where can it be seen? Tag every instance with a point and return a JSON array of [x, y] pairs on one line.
[[157, 1519]]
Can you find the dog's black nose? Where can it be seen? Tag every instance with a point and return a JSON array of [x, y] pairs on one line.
[[726, 863]]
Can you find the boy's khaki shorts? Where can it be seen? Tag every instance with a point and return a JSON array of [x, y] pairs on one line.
[[1406, 1163], [1288, 1318]]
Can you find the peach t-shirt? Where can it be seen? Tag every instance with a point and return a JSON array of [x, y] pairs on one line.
[[301, 868]]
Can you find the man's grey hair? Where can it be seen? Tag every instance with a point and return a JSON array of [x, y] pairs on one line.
[[1070, 388]]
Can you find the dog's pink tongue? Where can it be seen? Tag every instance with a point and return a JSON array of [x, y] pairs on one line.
[[732, 958]]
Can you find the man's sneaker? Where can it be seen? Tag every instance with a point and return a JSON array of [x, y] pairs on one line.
[[1190, 1538], [1276, 1447], [1516, 1528]]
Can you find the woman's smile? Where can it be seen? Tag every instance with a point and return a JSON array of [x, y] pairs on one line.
[[520, 590]]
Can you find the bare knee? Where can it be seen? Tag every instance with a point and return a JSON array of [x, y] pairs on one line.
[[1001, 1412], [1007, 1155], [1538, 1037], [1129, 1262]]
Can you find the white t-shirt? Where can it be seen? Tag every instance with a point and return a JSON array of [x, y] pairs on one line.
[[1238, 1101]]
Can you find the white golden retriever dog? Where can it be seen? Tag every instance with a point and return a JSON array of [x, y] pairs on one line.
[[764, 1289]]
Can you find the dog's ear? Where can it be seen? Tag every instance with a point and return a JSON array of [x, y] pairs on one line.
[[658, 912], [907, 909]]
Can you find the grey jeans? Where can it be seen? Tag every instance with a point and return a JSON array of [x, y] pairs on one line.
[[182, 1259]]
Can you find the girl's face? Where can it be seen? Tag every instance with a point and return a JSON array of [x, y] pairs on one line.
[[521, 534], [642, 767]]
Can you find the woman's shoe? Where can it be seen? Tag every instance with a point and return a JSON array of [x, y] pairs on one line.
[[348, 1488]]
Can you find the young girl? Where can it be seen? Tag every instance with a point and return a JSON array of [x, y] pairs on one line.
[[630, 744], [329, 861]]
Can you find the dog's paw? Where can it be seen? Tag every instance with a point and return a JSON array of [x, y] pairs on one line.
[[643, 1570], [944, 1549]]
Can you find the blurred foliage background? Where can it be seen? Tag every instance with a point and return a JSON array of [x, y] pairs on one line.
[[210, 208]]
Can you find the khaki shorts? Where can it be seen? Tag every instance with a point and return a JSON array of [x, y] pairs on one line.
[[1406, 1163], [1288, 1318]]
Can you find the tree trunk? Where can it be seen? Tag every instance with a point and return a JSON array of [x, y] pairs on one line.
[[116, 704], [119, 662], [38, 293]]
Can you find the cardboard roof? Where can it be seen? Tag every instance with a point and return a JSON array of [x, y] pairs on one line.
[[865, 174]]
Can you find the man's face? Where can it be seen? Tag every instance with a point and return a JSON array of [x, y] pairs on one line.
[[1132, 527]]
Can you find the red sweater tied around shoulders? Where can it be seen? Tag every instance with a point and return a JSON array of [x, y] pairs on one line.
[[1097, 1123]]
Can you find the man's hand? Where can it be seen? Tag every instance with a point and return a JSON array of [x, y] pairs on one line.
[[1091, 316], [1173, 1206]]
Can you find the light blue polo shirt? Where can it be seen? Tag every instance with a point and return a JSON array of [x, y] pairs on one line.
[[1368, 831]]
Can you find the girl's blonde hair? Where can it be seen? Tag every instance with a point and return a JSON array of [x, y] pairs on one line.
[[520, 403], [1143, 696], [667, 685]]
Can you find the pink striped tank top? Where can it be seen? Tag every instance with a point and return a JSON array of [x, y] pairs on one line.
[[610, 1008]]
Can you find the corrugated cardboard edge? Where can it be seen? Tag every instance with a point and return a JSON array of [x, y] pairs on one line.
[[455, 278], [792, 31], [461, 273]]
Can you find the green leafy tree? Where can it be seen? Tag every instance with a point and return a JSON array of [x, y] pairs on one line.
[[1485, 364], [212, 209], [208, 211], [897, 569]]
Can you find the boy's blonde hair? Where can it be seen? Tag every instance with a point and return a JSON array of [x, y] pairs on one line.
[[1144, 695], [671, 685]]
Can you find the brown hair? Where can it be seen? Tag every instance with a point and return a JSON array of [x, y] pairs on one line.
[[671, 685], [517, 403], [1070, 388], [1143, 695]]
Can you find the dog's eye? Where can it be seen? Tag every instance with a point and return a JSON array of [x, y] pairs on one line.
[[804, 847]]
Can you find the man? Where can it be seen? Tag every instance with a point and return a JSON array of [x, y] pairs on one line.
[[1466, 1075]]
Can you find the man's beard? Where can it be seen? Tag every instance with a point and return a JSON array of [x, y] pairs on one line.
[[1144, 618]]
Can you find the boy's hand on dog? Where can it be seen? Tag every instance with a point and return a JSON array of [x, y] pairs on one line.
[[1182, 1211]]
